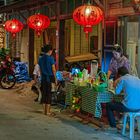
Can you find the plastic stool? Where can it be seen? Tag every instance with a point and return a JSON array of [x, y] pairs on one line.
[[132, 116]]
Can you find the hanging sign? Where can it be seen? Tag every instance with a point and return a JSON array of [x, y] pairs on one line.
[[2, 36]]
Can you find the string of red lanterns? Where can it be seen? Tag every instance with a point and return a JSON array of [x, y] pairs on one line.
[[13, 26], [87, 16], [38, 22]]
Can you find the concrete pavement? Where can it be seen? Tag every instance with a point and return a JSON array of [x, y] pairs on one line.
[[22, 119]]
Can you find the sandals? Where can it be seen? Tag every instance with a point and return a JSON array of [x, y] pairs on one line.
[[52, 114]]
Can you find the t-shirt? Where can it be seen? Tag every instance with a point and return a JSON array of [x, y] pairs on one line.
[[45, 63], [36, 70], [114, 65], [130, 85]]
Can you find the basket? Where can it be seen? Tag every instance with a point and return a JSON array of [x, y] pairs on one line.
[[100, 88], [103, 85]]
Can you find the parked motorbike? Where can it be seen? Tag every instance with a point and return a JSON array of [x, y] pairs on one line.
[[7, 75]]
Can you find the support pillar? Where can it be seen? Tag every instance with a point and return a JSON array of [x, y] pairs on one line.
[[31, 51], [62, 44], [57, 35], [139, 48], [124, 43]]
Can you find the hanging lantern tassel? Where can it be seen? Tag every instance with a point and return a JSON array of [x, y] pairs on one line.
[[87, 30], [13, 35], [38, 32]]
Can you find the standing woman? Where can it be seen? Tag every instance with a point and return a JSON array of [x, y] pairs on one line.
[[118, 60], [48, 72]]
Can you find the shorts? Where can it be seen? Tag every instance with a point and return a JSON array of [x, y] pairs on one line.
[[46, 92]]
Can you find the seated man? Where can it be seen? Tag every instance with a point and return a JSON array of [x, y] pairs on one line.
[[130, 85]]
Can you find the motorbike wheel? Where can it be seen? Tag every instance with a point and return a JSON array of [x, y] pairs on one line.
[[8, 81]]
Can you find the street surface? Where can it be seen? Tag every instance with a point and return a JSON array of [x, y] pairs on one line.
[[22, 119]]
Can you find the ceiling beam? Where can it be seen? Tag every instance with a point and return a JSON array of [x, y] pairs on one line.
[[126, 11], [99, 4], [22, 16], [24, 5]]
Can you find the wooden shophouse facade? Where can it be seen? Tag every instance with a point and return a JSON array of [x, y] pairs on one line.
[[65, 35]]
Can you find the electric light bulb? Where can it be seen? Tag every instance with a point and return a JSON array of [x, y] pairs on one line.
[[87, 11], [13, 26], [38, 24]]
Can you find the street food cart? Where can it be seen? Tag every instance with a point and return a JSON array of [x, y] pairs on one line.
[[88, 95]]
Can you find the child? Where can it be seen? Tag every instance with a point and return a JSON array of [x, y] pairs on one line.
[[36, 87]]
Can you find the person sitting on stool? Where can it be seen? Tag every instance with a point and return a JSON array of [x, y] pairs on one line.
[[130, 85]]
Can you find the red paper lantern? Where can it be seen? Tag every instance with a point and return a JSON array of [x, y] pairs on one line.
[[14, 26], [87, 16], [38, 22]]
